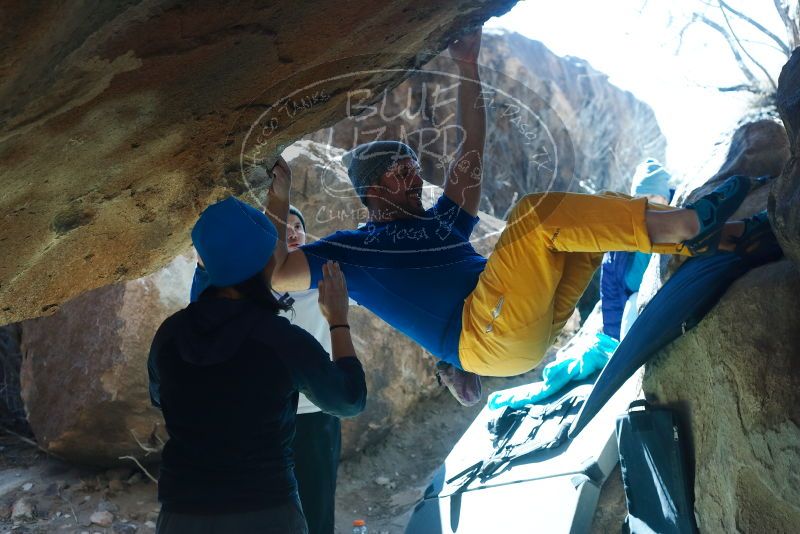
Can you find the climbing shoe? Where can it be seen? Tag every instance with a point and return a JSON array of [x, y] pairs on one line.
[[713, 210], [758, 243], [464, 386]]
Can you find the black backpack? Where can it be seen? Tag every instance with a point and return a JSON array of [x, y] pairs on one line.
[[658, 491]]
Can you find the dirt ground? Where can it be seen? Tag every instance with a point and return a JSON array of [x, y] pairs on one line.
[[383, 484], [42, 494], [380, 485]]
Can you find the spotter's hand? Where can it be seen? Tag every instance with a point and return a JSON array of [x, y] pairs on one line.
[[281, 179], [334, 302]]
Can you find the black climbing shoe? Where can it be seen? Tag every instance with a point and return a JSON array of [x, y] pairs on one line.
[[713, 210], [464, 386], [758, 243]]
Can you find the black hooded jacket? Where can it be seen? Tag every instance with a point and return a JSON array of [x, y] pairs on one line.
[[226, 374]]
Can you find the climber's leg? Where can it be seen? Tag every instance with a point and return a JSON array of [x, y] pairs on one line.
[[509, 318]]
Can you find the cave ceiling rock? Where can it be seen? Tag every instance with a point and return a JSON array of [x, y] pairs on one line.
[[121, 121]]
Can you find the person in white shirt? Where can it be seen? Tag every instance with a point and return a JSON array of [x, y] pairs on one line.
[[317, 442]]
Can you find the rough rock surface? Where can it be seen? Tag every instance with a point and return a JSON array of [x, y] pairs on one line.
[[785, 197], [735, 378], [757, 149], [553, 123], [84, 369], [121, 121], [84, 379]]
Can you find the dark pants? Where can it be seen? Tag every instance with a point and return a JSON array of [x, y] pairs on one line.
[[317, 444], [284, 519]]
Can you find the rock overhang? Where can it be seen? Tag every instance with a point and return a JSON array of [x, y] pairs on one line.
[[121, 122]]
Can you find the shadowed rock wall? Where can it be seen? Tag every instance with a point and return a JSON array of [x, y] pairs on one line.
[[735, 378], [785, 198]]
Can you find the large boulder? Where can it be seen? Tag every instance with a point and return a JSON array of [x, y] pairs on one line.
[[84, 369], [757, 149], [84, 379], [553, 123], [12, 411], [735, 379], [785, 197], [121, 121]]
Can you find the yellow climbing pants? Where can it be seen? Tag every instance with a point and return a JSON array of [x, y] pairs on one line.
[[546, 256]]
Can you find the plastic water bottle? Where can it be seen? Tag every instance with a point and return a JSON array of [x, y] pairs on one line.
[[359, 526]]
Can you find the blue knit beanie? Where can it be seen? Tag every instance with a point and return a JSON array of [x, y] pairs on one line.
[[650, 178], [367, 162], [234, 240]]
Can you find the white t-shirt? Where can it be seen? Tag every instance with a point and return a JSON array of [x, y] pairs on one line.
[[308, 316]]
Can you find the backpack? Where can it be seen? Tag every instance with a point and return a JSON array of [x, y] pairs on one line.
[[658, 490]]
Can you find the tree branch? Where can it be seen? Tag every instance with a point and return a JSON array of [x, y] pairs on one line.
[[144, 447], [145, 471], [680, 37], [751, 78], [739, 44], [783, 46], [788, 21], [72, 508], [740, 87]]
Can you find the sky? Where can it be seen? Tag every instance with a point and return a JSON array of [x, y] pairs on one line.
[[636, 43]]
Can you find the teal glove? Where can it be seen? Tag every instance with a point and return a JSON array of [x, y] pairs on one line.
[[577, 360]]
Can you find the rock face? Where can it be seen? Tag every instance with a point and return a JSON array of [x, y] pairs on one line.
[[84, 369], [121, 121], [736, 380], [84, 378], [12, 412], [757, 149], [785, 196], [552, 123]]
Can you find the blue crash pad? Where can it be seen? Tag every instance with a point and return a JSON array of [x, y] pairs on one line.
[[678, 306]]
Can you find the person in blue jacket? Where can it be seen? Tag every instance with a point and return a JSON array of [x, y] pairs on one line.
[[622, 272], [226, 372]]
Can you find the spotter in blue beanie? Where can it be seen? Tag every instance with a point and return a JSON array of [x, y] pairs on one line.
[[234, 240], [650, 178]]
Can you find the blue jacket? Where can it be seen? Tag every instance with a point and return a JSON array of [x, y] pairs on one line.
[[621, 276], [226, 375]]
